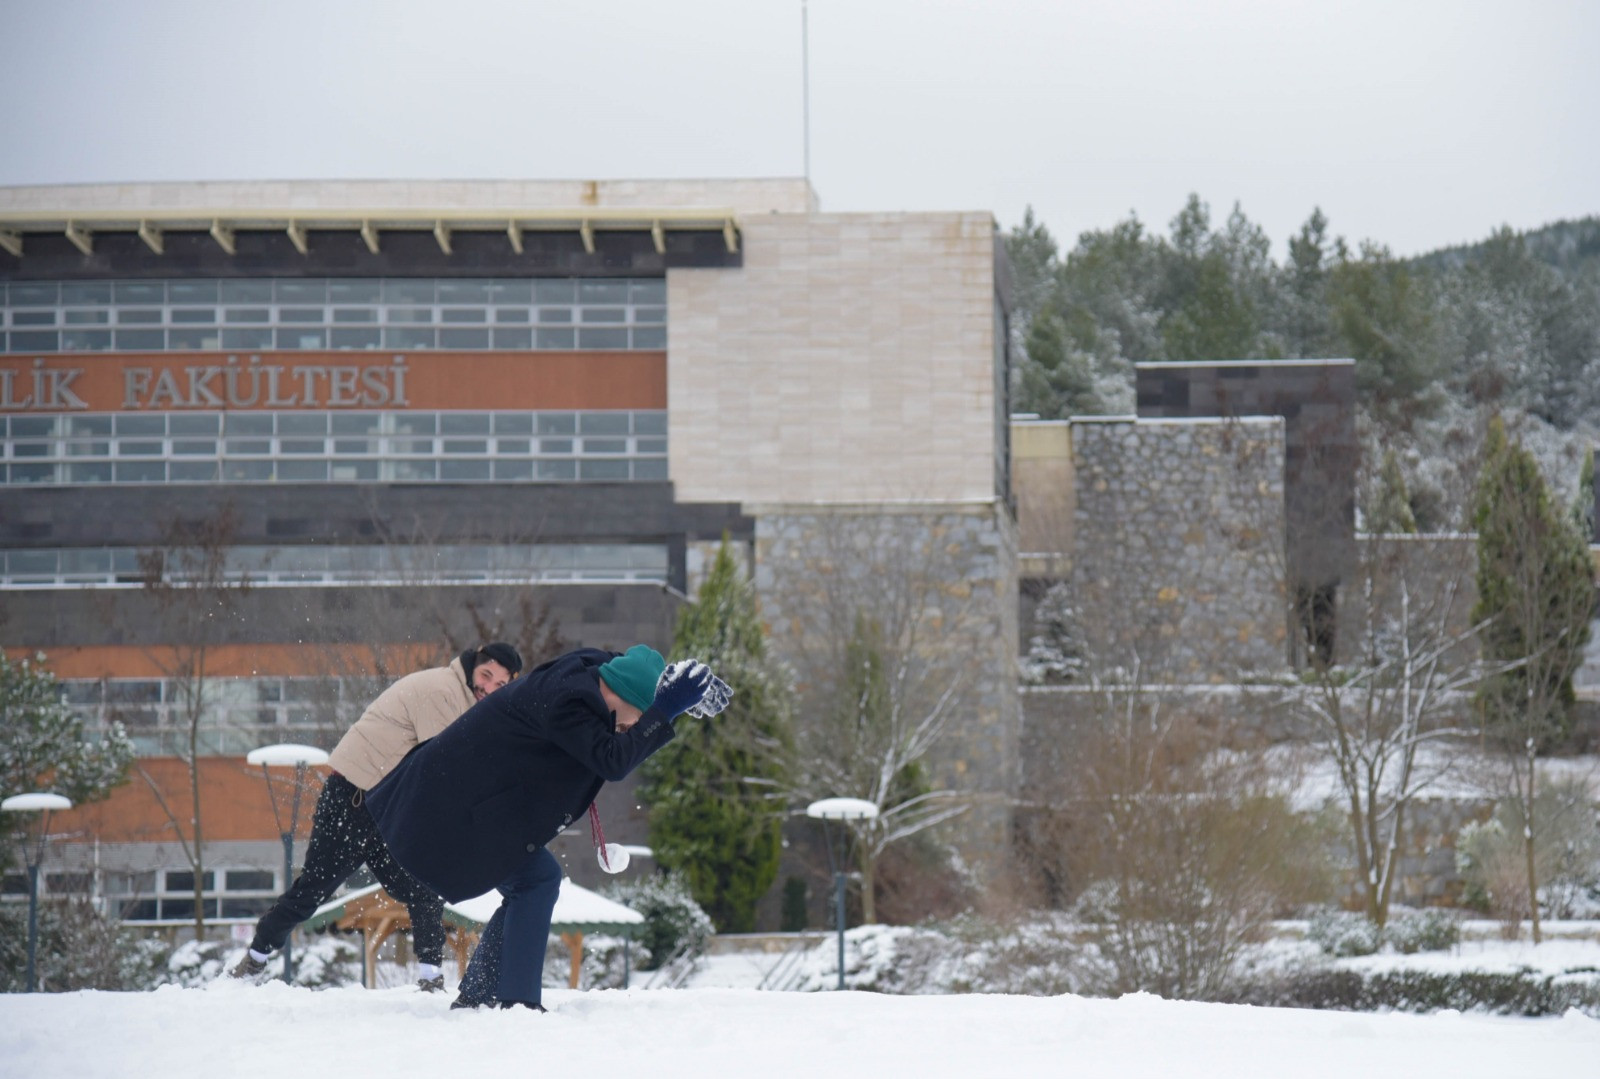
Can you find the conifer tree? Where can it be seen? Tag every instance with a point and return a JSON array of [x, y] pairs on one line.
[[715, 806], [1583, 502], [1392, 513]]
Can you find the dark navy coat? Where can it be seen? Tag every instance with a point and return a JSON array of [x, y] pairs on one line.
[[465, 808]]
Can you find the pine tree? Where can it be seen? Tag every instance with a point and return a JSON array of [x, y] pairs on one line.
[[1392, 513], [43, 745], [1583, 502], [713, 793]]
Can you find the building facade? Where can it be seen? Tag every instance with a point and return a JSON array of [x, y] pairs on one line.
[[319, 433]]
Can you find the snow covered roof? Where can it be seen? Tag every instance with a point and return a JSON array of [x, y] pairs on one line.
[[578, 910]]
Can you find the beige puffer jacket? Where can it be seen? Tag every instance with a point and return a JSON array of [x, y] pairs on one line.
[[412, 710]]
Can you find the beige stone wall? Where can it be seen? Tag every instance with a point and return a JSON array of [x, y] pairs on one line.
[[850, 360], [1042, 481]]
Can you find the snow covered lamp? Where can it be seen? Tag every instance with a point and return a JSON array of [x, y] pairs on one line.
[[300, 757], [42, 803], [839, 809]]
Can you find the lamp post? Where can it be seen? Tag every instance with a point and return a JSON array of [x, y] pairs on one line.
[[35, 802], [839, 809], [301, 757]]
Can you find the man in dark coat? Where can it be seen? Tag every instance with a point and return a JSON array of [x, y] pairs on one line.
[[474, 807]]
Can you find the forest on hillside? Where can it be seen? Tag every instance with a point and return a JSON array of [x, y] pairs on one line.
[[1442, 342]]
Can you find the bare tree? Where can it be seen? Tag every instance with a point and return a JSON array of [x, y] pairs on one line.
[[197, 593], [1386, 720], [885, 637]]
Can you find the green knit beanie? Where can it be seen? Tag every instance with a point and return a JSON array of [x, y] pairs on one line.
[[634, 674]]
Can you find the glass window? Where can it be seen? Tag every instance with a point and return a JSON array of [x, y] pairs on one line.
[[555, 445], [354, 471], [603, 470], [302, 423], [605, 314], [513, 423], [466, 445], [138, 316], [32, 426], [177, 910], [555, 314], [463, 471], [208, 338], [301, 314], [463, 314], [603, 291], [139, 292], [598, 338], [246, 471], [400, 290], [513, 470], [453, 291], [651, 445], [193, 423], [302, 445], [354, 291], [365, 337], [33, 473], [192, 471], [411, 314], [513, 338], [416, 423], [252, 338], [141, 471], [513, 445], [87, 317], [355, 314], [555, 338], [503, 291], [648, 290], [86, 425], [128, 448], [68, 882], [247, 314], [308, 290], [605, 445], [249, 423], [555, 291], [197, 291], [248, 446], [355, 423], [558, 470], [242, 907], [650, 468], [464, 339], [301, 338], [511, 314], [245, 291], [303, 471], [33, 318], [183, 881], [649, 423], [138, 910], [88, 449], [43, 341], [33, 449], [407, 337], [649, 314], [558, 423], [85, 340], [651, 337], [130, 423], [415, 470], [33, 563], [139, 339], [83, 293], [603, 423], [464, 423]]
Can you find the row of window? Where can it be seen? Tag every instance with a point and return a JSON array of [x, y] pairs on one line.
[[336, 447], [335, 564], [158, 895], [323, 313]]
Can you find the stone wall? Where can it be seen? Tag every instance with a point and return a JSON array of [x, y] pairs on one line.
[[942, 581], [1178, 559]]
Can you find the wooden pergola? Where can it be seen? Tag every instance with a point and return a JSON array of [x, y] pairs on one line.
[[378, 916]]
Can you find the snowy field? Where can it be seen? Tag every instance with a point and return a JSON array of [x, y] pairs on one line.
[[234, 1030]]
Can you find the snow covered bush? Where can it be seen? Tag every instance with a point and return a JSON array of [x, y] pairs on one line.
[[1342, 933], [1490, 856], [1056, 650], [1409, 932], [78, 948], [674, 924]]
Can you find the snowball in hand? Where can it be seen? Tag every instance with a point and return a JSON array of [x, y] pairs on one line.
[[613, 857]]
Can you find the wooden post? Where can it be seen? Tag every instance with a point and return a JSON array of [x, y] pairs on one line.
[[574, 943]]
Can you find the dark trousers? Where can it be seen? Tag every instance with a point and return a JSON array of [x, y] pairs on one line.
[[343, 836], [509, 961]]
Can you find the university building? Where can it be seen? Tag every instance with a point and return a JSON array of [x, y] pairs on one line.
[[267, 446]]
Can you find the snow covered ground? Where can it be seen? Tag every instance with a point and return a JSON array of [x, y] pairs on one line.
[[229, 1029]]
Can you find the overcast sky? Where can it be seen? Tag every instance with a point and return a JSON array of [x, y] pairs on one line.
[[1417, 123]]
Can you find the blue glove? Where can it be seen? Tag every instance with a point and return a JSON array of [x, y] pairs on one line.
[[681, 686]]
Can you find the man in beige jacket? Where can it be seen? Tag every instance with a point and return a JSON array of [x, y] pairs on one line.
[[343, 835]]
